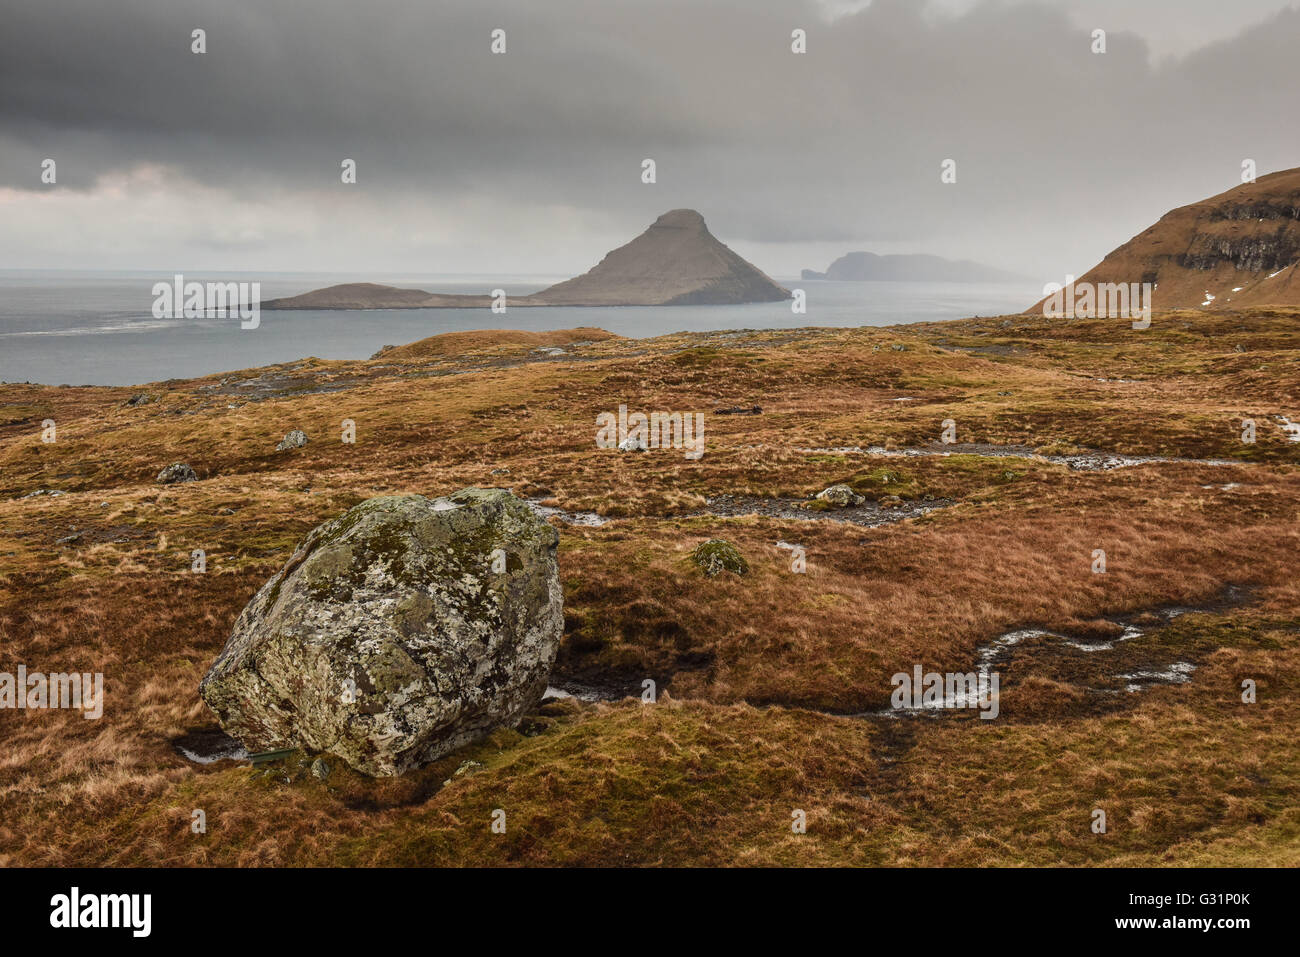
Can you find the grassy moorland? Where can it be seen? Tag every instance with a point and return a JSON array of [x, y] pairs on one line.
[[769, 683]]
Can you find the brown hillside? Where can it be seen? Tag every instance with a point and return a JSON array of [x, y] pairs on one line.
[[457, 343], [773, 688], [1239, 248]]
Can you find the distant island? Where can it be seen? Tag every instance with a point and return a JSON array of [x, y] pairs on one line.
[[676, 262], [869, 267]]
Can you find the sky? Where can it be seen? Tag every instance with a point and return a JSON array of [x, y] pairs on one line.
[[530, 162]]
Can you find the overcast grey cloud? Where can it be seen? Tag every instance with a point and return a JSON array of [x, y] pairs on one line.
[[529, 162]]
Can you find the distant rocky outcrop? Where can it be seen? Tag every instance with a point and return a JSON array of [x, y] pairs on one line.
[[176, 473], [676, 262], [460, 343], [869, 267], [841, 496], [1237, 249], [402, 630], [293, 439]]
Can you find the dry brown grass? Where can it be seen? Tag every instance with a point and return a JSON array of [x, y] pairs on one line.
[[753, 667]]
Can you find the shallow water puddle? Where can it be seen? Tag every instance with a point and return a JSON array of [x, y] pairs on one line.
[[579, 692], [209, 747], [1130, 631], [586, 519], [868, 515], [1080, 462], [991, 655], [1177, 673]]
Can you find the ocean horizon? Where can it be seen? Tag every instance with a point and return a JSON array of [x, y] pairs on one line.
[[97, 327]]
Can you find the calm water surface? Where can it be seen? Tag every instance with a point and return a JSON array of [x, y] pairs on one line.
[[98, 328]]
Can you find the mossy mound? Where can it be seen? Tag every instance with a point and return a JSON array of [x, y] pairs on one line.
[[716, 556]]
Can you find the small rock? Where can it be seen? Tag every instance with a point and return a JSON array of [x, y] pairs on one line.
[[500, 471], [841, 496], [740, 410], [295, 439], [176, 473], [43, 491], [466, 767], [716, 556], [138, 399], [320, 769], [633, 443]]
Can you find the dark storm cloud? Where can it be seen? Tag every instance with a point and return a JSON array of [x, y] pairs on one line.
[[1062, 154]]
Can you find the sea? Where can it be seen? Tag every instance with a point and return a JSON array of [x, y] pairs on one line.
[[98, 328]]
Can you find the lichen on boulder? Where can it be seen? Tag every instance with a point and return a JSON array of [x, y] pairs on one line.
[[402, 630], [716, 556], [294, 439], [176, 473], [841, 496]]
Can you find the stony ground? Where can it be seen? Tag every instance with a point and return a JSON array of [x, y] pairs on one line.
[[1121, 691]]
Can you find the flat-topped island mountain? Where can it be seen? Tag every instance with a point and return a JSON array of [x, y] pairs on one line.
[[910, 267], [676, 262]]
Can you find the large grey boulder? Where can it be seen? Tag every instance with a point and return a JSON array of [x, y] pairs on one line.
[[402, 630]]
